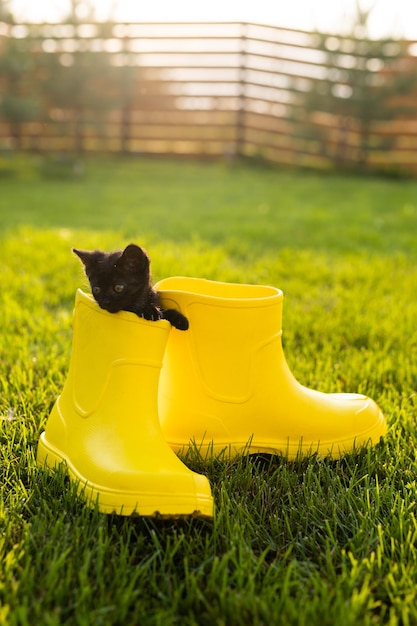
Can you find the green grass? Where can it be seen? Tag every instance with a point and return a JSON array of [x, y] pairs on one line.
[[312, 542]]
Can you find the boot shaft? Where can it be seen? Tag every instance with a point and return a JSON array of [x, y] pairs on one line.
[[104, 343], [229, 326]]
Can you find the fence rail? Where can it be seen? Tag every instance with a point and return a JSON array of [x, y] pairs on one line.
[[203, 89]]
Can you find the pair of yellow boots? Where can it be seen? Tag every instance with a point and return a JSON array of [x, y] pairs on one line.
[[137, 392]]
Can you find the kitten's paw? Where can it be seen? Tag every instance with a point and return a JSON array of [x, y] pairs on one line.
[[152, 314], [177, 319], [182, 323]]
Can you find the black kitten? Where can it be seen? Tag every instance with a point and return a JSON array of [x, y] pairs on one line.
[[121, 281]]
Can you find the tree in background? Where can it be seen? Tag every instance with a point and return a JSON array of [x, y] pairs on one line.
[[19, 93], [74, 85], [5, 12], [364, 84], [72, 96]]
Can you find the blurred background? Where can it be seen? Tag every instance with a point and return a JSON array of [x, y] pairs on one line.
[[329, 85]]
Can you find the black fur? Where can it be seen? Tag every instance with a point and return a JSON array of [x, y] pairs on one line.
[[121, 281]]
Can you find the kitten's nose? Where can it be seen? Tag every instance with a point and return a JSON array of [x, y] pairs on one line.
[[106, 305]]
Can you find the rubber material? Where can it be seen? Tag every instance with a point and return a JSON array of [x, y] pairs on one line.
[[105, 425], [225, 384]]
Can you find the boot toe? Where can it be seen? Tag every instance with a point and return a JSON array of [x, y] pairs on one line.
[[171, 491], [367, 423]]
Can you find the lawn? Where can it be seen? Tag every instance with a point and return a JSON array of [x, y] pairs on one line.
[[308, 542]]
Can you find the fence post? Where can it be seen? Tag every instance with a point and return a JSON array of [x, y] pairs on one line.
[[127, 81], [240, 118]]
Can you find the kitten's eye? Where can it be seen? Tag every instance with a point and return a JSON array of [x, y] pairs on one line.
[[96, 290], [119, 288]]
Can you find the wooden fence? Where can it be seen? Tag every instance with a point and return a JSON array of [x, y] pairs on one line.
[[203, 89]]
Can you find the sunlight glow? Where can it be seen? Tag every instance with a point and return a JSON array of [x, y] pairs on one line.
[[397, 18]]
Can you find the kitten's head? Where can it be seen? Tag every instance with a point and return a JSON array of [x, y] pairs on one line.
[[119, 280]]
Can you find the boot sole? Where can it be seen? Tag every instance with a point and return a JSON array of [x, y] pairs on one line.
[[125, 503], [292, 451]]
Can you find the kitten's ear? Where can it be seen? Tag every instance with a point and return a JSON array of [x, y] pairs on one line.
[[84, 255], [134, 258]]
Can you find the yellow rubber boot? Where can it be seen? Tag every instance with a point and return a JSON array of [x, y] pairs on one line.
[[225, 383], [105, 425]]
